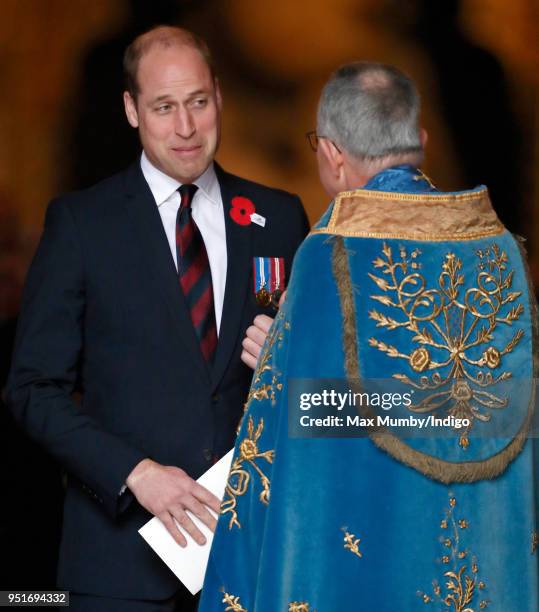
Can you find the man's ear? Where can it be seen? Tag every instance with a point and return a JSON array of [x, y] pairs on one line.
[[218, 95], [130, 109], [332, 154], [423, 137]]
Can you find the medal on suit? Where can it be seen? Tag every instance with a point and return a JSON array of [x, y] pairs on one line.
[[268, 275], [263, 297]]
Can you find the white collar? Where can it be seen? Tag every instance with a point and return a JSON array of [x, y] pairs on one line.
[[163, 186]]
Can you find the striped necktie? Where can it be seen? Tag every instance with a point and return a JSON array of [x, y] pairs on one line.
[[195, 274]]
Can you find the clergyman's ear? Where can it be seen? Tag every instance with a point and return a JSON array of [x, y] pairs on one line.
[[331, 153], [130, 109], [423, 137]]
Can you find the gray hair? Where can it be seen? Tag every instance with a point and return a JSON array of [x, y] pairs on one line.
[[371, 110]]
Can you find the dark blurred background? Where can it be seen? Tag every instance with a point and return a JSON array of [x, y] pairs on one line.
[[62, 127]]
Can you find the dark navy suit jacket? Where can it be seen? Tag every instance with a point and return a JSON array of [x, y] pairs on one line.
[[103, 317]]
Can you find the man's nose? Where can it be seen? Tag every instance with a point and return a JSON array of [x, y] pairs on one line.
[[184, 125]]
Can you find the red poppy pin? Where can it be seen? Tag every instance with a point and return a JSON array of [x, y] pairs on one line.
[[242, 209]]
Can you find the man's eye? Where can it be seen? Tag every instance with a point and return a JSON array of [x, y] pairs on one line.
[[200, 102], [163, 108]]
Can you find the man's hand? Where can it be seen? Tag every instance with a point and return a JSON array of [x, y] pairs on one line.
[[254, 339], [167, 492]]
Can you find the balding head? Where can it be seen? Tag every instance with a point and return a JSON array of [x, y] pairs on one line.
[[165, 37]]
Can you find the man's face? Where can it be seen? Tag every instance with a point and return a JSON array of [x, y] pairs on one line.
[[177, 111]]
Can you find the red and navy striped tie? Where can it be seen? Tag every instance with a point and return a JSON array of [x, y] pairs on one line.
[[195, 274]]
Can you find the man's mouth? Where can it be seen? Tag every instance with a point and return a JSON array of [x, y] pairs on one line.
[[186, 151]]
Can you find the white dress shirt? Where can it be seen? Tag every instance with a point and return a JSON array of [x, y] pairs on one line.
[[207, 206]]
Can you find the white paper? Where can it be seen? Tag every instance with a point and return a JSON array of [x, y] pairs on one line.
[[189, 563], [258, 219]]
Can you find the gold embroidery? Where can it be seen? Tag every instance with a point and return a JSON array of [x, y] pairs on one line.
[[452, 319], [422, 176], [426, 216], [351, 544], [461, 588], [298, 606], [234, 604], [403, 235], [535, 541], [239, 478], [420, 359], [432, 467], [275, 335], [261, 391]]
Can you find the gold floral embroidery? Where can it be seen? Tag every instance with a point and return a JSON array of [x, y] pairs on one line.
[[437, 469], [239, 478], [263, 390], [535, 541], [275, 335], [461, 588], [233, 602], [453, 320], [420, 359], [298, 606], [352, 544]]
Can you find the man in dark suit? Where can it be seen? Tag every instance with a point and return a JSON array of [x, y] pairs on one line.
[[138, 298]]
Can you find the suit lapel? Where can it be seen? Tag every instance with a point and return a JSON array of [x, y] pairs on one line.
[[158, 263], [238, 245]]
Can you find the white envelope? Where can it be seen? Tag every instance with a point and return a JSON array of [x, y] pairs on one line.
[[189, 563]]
